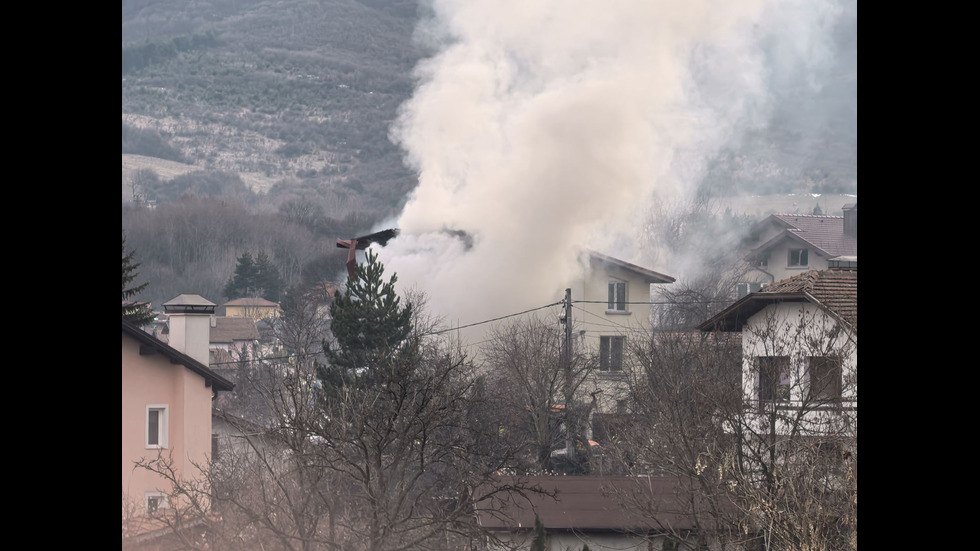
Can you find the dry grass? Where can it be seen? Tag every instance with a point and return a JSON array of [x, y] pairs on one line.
[[168, 170]]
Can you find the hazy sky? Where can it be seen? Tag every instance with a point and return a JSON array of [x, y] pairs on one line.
[[539, 127]]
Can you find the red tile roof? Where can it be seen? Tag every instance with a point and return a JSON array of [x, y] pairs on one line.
[[824, 233], [834, 289]]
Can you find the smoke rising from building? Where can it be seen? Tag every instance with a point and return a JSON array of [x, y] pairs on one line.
[[538, 128]]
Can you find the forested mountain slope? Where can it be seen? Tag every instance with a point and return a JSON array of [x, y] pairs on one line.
[[263, 125], [293, 93]]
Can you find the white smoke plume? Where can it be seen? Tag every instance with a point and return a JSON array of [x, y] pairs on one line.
[[540, 127]]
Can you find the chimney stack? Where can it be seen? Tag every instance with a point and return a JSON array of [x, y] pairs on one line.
[[851, 219], [189, 317]]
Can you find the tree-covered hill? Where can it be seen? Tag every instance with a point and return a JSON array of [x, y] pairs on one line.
[[300, 92], [263, 126]]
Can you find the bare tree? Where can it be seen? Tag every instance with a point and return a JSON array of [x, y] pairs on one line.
[[764, 443], [523, 359], [391, 461], [543, 394], [702, 245]]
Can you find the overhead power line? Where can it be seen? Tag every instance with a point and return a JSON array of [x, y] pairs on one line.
[[441, 331], [678, 302], [491, 320]]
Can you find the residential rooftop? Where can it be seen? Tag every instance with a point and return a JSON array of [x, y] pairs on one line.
[[834, 290]]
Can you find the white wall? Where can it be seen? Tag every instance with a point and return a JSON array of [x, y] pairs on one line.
[[799, 330]]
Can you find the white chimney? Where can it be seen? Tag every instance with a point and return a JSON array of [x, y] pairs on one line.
[[190, 325]]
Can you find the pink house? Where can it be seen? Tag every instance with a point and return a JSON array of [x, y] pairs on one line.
[[167, 393]]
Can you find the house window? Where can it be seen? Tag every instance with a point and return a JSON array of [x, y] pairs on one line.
[[155, 501], [762, 261], [773, 378], [617, 296], [156, 426], [611, 353], [798, 257], [825, 378], [746, 288]]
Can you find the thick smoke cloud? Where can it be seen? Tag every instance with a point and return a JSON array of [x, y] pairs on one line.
[[538, 128]]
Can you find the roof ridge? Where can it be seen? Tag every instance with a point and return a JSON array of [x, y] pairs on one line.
[[807, 215], [810, 278]]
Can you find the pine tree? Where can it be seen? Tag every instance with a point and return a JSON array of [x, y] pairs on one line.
[[244, 282], [371, 329], [268, 278], [540, 536], [134, 311], [255, 277]]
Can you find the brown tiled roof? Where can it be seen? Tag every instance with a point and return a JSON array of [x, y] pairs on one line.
[[585, 503], [233, 329], [825, 234], [834, 290]]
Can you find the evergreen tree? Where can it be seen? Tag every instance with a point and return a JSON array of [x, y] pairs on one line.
[[539, 543], [134, 311], [371, 329], [244, 282], [268, 278], [255, 277]]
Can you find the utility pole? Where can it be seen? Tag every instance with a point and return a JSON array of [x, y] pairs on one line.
[[569, 390], [568, 329]]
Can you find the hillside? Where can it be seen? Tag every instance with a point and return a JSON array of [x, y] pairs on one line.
[[272, 117], [278, 92], [303, 92]]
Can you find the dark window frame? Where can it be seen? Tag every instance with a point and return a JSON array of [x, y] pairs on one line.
[[798, 257], [774, 379], [617, 291], [611, 352], [825, 378]]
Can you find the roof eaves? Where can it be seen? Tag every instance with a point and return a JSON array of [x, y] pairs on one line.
[[790, 234], [652, 276], [176, 356], [735, 316]]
